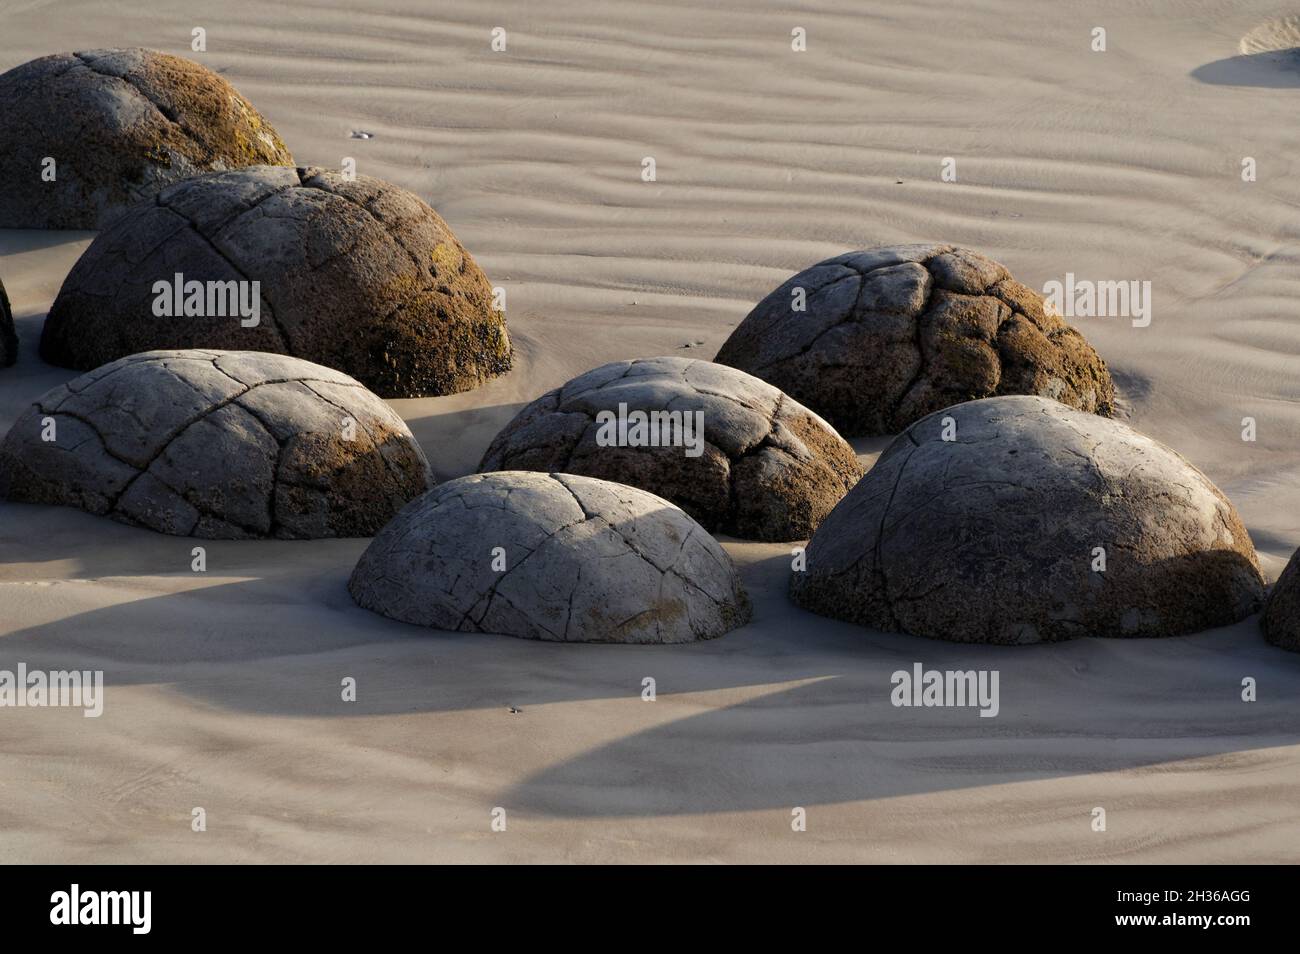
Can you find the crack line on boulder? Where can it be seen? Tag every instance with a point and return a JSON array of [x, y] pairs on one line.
[[275, 323]]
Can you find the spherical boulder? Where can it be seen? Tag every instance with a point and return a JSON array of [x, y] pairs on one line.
[[217, 444], [8, 337], [551, 556], [731, 450], [355, 274], [874, 340], [1020, 520], [119, 125], [1281, 616]]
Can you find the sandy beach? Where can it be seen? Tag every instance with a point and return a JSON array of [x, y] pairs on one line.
[[222, 688]]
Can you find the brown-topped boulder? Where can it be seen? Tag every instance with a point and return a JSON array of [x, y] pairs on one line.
[[1281, 616], [731, 450], [876, 339], [1020, 520], [352, 273], [217, 444], [119, 126]]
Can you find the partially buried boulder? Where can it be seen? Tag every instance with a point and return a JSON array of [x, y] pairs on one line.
[[217, 444], [355, 274], [8, 337], [874, 340], [1281, 616], [731, 450], [1020, 520], [117, 126], [551, 556]]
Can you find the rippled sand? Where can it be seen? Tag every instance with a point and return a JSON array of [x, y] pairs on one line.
[[1124, 165]]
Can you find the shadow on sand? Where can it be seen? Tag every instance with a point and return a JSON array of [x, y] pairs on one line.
[[789, 710], [1274, 70]]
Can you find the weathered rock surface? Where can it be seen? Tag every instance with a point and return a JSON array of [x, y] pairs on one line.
[[217, 444], [993, 536], [357, 275], [120, 125], [891, 334], [580, 560], [8, 337], [762, 466], [1281, 616]]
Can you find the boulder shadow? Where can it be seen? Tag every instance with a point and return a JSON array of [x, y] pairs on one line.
[[17, 241], [1278, 69], [1078, 708], [814, 724], [455, 440], [280, 641]]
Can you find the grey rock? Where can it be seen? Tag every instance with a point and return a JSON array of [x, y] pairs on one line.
[[1281, 616], [217, 444], [120, 125], [581, 560], [767, 467], [8, 337], [894, 333], [357, 275], [991, 537]]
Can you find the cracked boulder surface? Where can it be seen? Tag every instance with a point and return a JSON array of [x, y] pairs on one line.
[[1281, 617], [355, 274], [768, 468], [224, 445], [551, 556], [891, 334], [8, 337], [120, 125], [996, 535]]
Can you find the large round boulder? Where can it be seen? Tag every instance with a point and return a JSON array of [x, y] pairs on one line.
[[118, 126], [731, 450], [1020, 520], [874, 340], [217, 444], [551, 556], [8, 337], [1281, 616], [355, 274]]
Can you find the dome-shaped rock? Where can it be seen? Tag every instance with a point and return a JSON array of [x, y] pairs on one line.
[[877, 339], [8, 337], [551, 556], [119, 125], [355, 274], [1020, 520], [217, 444], [731, 450], [1281, 616]]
